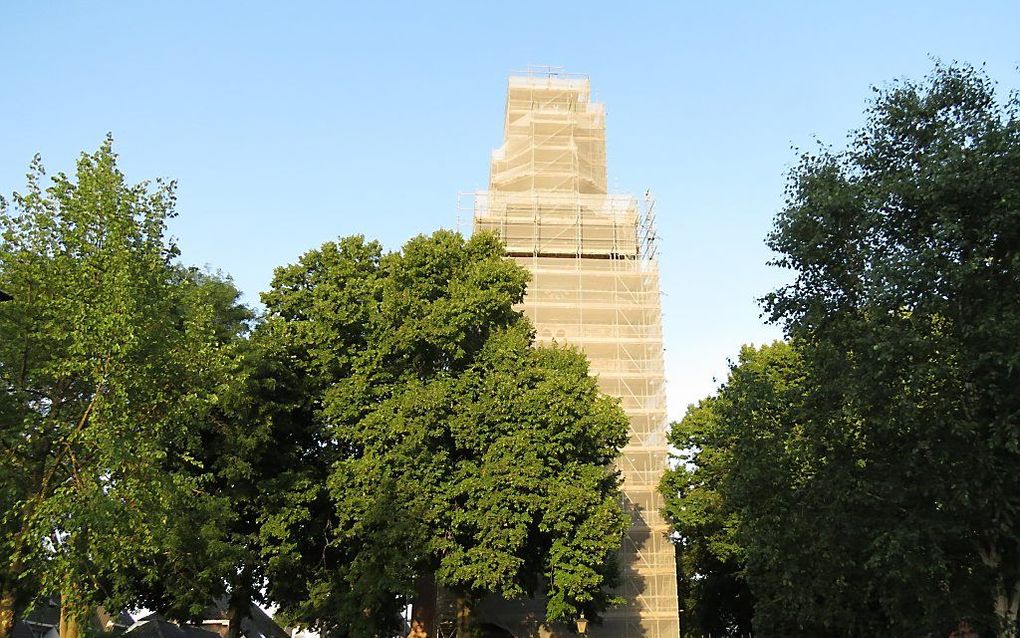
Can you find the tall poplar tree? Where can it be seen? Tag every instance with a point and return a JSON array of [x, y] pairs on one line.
[[108, 359]]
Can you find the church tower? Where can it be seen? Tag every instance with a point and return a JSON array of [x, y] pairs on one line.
[[595, 285]]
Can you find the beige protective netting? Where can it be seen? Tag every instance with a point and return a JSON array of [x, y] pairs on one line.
[[595, 285]]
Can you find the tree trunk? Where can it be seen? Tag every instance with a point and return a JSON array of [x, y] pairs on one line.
[[238, 609], [1007, 606], [423, 611], [69, 620], [464, 624], [6, 613], [1007, 595]]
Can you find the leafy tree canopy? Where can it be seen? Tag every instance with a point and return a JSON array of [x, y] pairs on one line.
[[906, 308], [456, 448], [866, 478], [717, 441]]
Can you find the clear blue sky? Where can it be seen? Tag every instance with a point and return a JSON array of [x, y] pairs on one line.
[[290, 123]]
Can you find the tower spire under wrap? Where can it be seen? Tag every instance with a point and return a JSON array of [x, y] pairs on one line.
[[595, 285]]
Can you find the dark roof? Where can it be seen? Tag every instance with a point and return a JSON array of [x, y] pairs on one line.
[[107, 621], [21, 630], [155, 626], [261, 625], [44, 612], [258, 624]]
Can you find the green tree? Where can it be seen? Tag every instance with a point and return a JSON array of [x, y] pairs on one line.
[[906, 309], [457, 449], [211, 557], [259, 442], [738, 453], [715, 599], [750, 500], [108, 358], [264, 444]]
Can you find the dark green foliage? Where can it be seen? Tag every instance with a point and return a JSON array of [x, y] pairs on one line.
[[869, 479], [454, 446], [726, 462], [906, 308], [209, 552]]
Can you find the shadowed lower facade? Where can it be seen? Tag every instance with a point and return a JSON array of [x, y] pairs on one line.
[[595, 285]]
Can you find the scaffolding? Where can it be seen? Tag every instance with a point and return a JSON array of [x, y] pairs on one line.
[[595, 285]]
